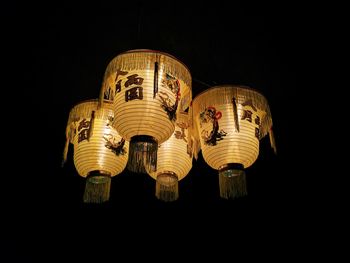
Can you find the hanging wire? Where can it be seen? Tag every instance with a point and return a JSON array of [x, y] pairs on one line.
[[202, 82]]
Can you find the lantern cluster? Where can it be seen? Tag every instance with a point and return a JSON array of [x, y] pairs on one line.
[[145, 120]]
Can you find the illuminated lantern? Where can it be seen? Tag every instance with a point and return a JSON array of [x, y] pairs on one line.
[[230, 121], [148, 88], [99, 152], [174, 160]]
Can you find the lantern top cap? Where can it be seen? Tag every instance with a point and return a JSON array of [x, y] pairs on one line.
[[224, 94], [92, 104], [155, 52], [242, 87], [85, 108], [96, 101]]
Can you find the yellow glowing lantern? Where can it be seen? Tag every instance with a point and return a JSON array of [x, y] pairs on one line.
[[148, 89], [230, 121], [174, 160], [99, 151]]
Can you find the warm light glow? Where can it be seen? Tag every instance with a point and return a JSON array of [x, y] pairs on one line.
[[145, 119], [99, 152], [175, 155], [229, 122], [223, 142], [174, 160], [148, 88]]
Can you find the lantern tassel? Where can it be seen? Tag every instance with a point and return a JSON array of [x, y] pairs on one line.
[[225, 94], [140, 59], [232, 181], [97, 188], [65, 152], [142, 154], [167, 187], [235, 114], [69, 136], [272, 141]]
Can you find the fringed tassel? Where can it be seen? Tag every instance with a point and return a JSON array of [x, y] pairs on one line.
[[97, 188], [142, 154], [70, 133], [145, 60], [167, 187], [235, 114], [84, 109], [232, 182], [219, 95], [65, 152], [91, 127], [272, 141]]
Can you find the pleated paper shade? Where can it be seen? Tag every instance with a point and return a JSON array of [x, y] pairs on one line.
[[174, 159]]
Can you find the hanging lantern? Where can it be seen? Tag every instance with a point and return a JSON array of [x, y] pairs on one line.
[[174, 160], [230, 121], [99, 151], [148, 88]]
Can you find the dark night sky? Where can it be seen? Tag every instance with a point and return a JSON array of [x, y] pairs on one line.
[[66, 50]]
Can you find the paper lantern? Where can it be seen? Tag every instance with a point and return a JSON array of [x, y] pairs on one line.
[[99, 151], [230, 121], [174, 160], [148, 88]]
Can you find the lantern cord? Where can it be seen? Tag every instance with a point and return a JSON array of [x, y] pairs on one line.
[[272, 141], [235, 114], [201, 82]]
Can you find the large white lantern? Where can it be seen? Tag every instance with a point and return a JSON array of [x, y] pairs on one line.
[[230, 121], [148, 88], [174, 160], [99, 151]]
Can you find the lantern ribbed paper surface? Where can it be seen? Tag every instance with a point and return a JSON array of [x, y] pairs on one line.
[[174, 160], [99, 152], [230, 121], [148, 89]]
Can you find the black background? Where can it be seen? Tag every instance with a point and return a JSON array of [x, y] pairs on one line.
[[57, 56]]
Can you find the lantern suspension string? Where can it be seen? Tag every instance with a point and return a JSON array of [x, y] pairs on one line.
[[202, 82]]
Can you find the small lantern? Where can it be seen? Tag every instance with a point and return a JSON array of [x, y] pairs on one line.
[[148, 88], [99, 151], [230, 121], [174, 160]]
